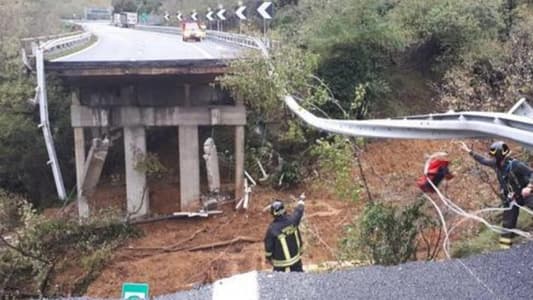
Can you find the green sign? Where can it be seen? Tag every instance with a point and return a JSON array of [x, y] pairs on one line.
[[144, 17], [135, 291]]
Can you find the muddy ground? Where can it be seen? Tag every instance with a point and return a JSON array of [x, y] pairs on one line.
[[166, 258]]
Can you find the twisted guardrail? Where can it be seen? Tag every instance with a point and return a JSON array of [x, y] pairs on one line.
[[40, 48], [516, 125]]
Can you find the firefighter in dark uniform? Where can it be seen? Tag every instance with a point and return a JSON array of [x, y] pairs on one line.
[[516, 184], [283, 242]]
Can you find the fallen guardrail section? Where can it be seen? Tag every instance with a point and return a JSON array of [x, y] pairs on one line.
[[516, 125], [41, 48]]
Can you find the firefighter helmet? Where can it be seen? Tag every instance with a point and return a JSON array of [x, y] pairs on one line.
[[277, 208], [499, 150]]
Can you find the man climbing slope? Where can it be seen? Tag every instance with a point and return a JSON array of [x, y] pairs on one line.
[[516, 184]]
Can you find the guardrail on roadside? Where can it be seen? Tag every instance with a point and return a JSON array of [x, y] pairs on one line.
[[29, 44], [163, 29], [63, 44], [39, 48], [51, 45], [232, 38]]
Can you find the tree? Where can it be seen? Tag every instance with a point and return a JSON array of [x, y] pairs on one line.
[[23, 157]]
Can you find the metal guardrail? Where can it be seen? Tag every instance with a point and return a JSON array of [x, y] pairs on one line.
[[30, 44], [516, 125], [40, 48], [438, 126], [162, 29], [65, 43], [232, 38]]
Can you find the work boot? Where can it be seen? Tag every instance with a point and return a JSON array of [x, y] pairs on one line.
[[505, 243]]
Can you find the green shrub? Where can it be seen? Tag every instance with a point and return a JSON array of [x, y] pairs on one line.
[[44, 247], [385, 234], [336, 158]]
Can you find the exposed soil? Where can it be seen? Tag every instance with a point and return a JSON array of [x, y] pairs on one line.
[[390, 167]]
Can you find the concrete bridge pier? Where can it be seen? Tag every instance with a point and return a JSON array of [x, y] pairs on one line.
[[138, 203], [79, 153], [189, 162], [239, 162], [136, 95]]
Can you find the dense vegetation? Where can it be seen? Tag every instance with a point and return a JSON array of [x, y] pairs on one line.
[[40, 248], [365, 58]]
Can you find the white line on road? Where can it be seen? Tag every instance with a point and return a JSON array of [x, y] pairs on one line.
[[238, 287]]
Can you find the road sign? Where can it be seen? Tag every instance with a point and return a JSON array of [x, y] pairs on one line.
[[167, 16], [265, 10], [209, 16], [240, 12], [144, 17], [220, 14], [193, 16], [179, 16], [135, 291]]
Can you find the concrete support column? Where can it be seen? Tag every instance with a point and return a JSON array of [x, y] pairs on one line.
[[136, 186], [239, 162], [189, 166], [79, 152]]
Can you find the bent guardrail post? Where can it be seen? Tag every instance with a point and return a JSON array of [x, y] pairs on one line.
[[40, 51], [45, 124]]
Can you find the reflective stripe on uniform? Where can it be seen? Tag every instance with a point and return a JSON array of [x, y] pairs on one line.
[[506, 241], [286, 263], [268, 254], [284, 247], [297, 240]]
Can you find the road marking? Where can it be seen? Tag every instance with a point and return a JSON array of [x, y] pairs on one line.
[[78, 52], [205, 53], [238, 287]]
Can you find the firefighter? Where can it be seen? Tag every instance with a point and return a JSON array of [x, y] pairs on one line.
[[516, 184], [283, 242]]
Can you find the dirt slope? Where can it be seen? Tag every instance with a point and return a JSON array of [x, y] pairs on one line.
[[390, 166]]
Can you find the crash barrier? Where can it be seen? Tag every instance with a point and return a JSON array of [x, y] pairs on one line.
[[29, 45], [516, 124], [66, 43], [40, 48], [162, 29], [232, 38]]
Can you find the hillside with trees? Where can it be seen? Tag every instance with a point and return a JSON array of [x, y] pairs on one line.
[[344, 59]]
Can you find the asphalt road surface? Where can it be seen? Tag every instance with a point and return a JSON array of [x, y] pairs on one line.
[[500, 275], [124, 44]]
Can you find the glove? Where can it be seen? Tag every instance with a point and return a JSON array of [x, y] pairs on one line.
[[301, 199]]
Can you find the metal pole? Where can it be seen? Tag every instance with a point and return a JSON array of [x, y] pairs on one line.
[[45, 125], [264, 30]]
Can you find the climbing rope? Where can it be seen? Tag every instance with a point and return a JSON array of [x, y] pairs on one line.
[[469, 215]]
